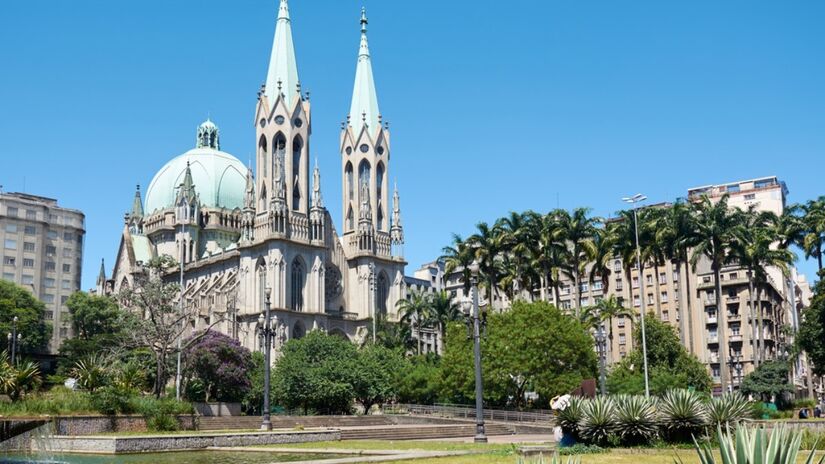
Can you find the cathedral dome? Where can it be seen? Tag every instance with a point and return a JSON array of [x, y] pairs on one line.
[[219, 178]]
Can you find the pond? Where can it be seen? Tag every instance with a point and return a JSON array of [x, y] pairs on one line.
[[182, 457]]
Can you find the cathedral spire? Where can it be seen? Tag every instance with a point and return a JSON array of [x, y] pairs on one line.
[[364, 107], [101, 276], [137, 204], [282, 76]]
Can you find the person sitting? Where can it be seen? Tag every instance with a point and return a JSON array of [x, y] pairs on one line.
[[803, 413], [817, 412]]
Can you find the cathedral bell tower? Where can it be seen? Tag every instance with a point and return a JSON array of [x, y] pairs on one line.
[[282, 130], [365, 159]]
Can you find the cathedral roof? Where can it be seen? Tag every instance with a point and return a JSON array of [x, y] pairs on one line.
[[283, 69], [218, 178], [364, 107]]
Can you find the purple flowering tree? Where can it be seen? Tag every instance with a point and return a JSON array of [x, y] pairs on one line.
[[216, 368]]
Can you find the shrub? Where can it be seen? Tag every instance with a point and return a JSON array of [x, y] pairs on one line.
[[598, 420], [110, 400], [581, 448], [635, 419], [59, 400], [751, 445], [91, 373], [727, 410], [682, 415], [161, 414], [570, 417]]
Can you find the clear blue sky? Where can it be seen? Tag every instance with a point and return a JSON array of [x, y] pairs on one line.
[[494, 106]]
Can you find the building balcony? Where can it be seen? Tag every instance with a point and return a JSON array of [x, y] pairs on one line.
[[734, 316], [712, 320], [737, 338], [713, 339]]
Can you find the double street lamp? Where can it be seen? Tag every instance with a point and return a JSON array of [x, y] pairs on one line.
[[265, 329], [474, 317], [634, 200], [601, 343], [14, 340]]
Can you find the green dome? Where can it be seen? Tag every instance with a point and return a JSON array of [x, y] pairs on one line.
[[219, 178]]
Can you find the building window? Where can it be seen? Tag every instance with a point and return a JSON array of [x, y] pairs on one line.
[[297, 275], [620, 323], [31, 215], [68, 236], [51, 250], [383, 293], [665, 316], [649, 279], [583, 287], [28, 262], [27, 280], [67, 268], [566, 304], [715, 371], [597, 285], [662, 278], [650, 300], [66, 285], [584, 302], [675, 276], [636, 301], [635, 281], [28, 246], [622, 339], [52, 235], [64, 332], [50, 266], [11, 228], [49, 315], [9, 260], [734, 276], [48, 298], [8, 276], [63, 299], [48, 282], [67, 252], [619, 285], [30, 230], [750, 196], [10, 244], [11, 211], [664, 297]]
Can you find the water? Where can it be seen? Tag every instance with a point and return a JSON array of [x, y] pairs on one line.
[[182, 457]]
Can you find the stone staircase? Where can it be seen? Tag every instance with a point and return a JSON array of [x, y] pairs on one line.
[[420, 432], [291, 422]]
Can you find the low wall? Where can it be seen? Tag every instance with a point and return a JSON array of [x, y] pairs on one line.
[[218, 409], [155, 443], [816, 425], [90, 425]]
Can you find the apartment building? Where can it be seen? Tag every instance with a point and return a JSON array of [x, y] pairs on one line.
[[43, 252]]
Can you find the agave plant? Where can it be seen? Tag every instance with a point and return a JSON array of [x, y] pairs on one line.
[[570, 417], [681, 414], [555, 459], [598, 420], [635, 419], [727, 410], [26, 379], [91, 373], [754, 446]]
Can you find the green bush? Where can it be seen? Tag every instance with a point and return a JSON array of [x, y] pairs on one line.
[[57, 401], [635, 420], [110, 400], [728, 410], [804, 403], [161, 414], [581, 448]]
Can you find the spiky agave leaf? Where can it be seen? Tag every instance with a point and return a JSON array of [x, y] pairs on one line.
[[570, 417], [598, 420], [727, 410], [748, 445], [635, 419], [681, 414]]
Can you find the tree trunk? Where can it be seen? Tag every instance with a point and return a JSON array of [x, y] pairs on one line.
[[556, 294], [160, 374], [752, 299], [576, 290], [761, 325], [418, 324], [723, 327], [819, 256], [543, 284], [687, 300]]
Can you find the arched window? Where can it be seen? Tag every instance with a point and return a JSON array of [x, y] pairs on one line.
[[278, 142], [297, 146], [383, 290], [379, 180], [350, 220], [380, 221], [298, 277], [350, 186], [364, 171], [262, 200], [260, 275], [298, 330], [263, 159]]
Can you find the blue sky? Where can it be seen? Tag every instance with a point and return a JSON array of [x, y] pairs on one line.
[[494, 106]]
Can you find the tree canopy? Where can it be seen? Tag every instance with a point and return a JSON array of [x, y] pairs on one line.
[[17, 301], [811, 337], [533, 347], [768, 380], [669, 364], [216, 368]]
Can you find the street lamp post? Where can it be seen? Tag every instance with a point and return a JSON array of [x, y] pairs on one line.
[[14, 337], [372, 301], [481, 436], [265, 329], [634, 200]]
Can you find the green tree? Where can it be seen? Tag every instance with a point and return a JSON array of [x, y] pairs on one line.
[[669, 364], [316, 373], [16, 301], [417, 381], [578, 230], [444, 310], [415, 311], [374, 376], [487, 245], [531, 347], [97, 322], [768, 380], [811, 337]]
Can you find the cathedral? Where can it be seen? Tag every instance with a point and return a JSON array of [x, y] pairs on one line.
[[240, 234]]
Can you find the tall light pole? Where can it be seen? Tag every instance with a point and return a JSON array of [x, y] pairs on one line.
[[372, 299], [265, 328], [600, 340], [634, 200], [481, 436]]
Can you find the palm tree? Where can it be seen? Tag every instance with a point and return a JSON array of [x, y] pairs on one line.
[[756, 250], [577, 230], [678, 234], [415, 308], [517, 236], [486, 244], [457, 257], [653, 247], [716, 235], [610, 308], [603, 254], [814, 221], [548, 252], [624, 229], [443, 310]]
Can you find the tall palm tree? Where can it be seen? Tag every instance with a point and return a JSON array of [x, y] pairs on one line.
[[577, 229], [716, 235], [624, 228], [602, 256], [517, 236], [415, 310], [457, 257], [757, 250], [548, 252], [443, 310], [610, 308], [486, 244], [814, 221], [678, 234], [653, 247]]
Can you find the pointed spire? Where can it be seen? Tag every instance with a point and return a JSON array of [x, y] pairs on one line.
[[283, 68], [317, 200], [137, 204], [187, 187], [396, 208], [101, 276], [364, 106]]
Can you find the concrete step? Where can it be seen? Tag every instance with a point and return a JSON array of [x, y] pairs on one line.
[[253, 422], [420, 432]]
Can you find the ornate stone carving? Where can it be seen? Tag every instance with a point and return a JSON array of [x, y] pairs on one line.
[[333, 285]]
